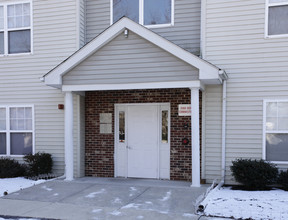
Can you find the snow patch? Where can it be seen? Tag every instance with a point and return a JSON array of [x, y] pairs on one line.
[[11, 185], [55, 194], [189, 215], [133, 189], [46, 188], [117, 201], [149, 203], [131, 205], [96, 210], [140, 217], [163, 212], [167, 197], [116, 213], [256, 205], [93, 194]]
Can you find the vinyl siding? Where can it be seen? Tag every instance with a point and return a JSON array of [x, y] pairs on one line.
[[54, 32], [82, 22], [130, 60], [185, 32], [212, 142], [257, 69]]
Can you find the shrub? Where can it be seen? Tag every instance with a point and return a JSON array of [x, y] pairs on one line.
[[254, 174], [39, 163], [283, 179], [11, 168]]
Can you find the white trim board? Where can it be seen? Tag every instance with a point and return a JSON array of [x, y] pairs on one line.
[[161, 85]]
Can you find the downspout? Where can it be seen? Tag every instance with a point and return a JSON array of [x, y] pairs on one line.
[[224, 78]]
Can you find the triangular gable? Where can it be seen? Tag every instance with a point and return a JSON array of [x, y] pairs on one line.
[[207, 72]]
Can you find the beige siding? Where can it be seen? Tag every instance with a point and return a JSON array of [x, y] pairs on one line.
[[185, 32], [257, 68], [130, 60], [212, 142], [54, 33], [82, 22]]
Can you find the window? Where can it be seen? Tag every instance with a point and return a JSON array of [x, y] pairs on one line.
[[276, 131], [145, 12], [16, 130], [15, 28], [164, 133], [277, 21], [121, 126]]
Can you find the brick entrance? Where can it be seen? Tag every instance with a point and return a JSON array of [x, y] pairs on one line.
[[99, 157]]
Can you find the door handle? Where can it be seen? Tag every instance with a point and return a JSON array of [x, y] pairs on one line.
[[128, 147]]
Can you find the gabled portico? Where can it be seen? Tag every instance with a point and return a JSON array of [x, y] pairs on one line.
[[128, 56]]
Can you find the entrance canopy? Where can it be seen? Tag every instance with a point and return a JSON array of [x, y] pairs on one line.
[[130, 56]]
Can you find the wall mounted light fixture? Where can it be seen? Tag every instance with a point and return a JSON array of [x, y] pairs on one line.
[[126, 32]]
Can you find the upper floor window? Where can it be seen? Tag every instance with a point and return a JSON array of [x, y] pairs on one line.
[[276, 131], [146, 12], [15, 28], [277, 21]]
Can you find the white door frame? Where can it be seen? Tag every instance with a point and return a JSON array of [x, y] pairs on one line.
[[124, 169]]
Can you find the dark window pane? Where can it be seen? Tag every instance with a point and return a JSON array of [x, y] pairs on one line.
[[157, 12], [164, 126], [21, 143], [127, 8], [277, 147], [278, 20], [2, 143], [122, 126], [19, 41], [1, 43]]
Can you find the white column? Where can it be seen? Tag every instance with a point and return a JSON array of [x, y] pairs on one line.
[[195, 136], [69, 136]]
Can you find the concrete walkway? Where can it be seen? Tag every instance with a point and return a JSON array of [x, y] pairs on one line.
[[105, 198]]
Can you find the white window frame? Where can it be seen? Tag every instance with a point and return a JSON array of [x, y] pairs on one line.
[[6, 30], [266, 19], [141, 15], [8, 131], [271, 132]]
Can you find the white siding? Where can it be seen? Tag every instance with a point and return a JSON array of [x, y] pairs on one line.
[[54, 39], [257, 69], [212, 142], [185, 32], [130, 60], [82, 22]]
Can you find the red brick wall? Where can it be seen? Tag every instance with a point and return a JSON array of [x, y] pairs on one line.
[[99, 148]]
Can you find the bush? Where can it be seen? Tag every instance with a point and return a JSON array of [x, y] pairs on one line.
[[254, 174], [10, 168], [283, 180], [39, 163]]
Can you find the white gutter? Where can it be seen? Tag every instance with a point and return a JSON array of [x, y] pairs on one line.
[[224, 110]]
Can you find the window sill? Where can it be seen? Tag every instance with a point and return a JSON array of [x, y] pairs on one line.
[[158, 26], [12, 156], [16, 54], [278, 162], [276, 36]]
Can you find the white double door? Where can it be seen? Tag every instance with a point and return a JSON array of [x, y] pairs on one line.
[[138, 155]]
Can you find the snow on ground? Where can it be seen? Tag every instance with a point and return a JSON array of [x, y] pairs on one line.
[[11, 185], [225, 202]]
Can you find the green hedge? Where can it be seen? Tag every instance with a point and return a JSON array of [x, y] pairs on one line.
[[254, 174], [10, 168]]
